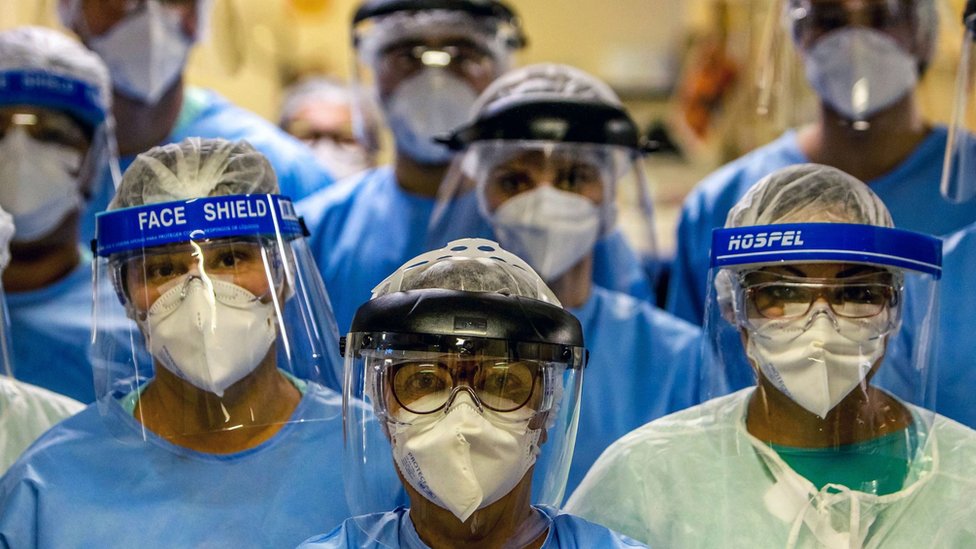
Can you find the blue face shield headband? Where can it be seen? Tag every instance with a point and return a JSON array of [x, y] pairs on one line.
[[822, 242]]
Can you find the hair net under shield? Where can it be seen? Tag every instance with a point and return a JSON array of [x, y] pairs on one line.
[[226, 305], [469, 303]]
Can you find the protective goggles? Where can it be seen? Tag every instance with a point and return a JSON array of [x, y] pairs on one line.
[[823, 17], [780, 297], [45, 126], [427, 384]]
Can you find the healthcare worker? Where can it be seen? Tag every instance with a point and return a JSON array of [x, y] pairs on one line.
[[547, 154], [864, 60], [473, 369], [145, 44], [26, 411], [232, 440], [321, 112], [813, 279], [423, 63], [55, 144]]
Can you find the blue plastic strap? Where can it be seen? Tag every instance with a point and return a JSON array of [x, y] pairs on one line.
[[48, 90], [800, 242], [195, 219]]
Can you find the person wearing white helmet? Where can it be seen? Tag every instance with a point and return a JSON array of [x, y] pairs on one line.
[[473, 369], [864, 60], [816, 293], [26, 411], [56, 142], [145, 44], [547, 152], [215, 425], [321, 112]]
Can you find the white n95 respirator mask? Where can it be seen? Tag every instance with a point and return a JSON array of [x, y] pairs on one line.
[[38, 183], [431, 103], [818, 360], [551, 229], [463, 460], [860, 71], [145, 52], [210, 332]]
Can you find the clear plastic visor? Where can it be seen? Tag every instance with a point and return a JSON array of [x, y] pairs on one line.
[[514, 404], [536, 198], [959, 171], [225, 333]]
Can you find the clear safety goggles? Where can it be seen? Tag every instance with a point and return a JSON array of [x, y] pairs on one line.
[[429, 382], [776, 296], [44, 125]]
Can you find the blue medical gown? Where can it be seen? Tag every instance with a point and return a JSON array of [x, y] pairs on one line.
[[910, 191], [206, 114], [644, 363], [92, 481], [365, 227], [395, 529], [51, 333]]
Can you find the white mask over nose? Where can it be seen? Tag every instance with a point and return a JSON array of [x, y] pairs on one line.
[[463, 460], [38, 183], [551, 229], [145, 52], [211, 337], [431, 103], [818, 360], [341, 159], [860, 71]]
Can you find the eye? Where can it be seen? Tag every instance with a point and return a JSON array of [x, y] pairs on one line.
[[576, 177], [512, 182], [160, 269]]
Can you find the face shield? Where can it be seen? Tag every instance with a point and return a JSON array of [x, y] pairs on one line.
[[230, 323], [859, 57], [424, 66], [475, 395], [814, 311], [56, 142], [959, 171], [551, 179]]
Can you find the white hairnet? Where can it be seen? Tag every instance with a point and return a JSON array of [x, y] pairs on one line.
[[405, 25], [545, 82], [472, 265], [195, 168], [803, 193], [809, 193], [43, 49], [6, 234]]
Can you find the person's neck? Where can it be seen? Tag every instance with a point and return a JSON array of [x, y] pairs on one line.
[[40, 264], [418, 179], [864, 414], [867, 153], [199, 420], [139, 126], [496, 525], [573, 288]]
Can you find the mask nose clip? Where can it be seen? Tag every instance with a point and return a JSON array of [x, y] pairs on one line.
[[472, 397]]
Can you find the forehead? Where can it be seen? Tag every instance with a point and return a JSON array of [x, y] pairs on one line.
[[541, 158]]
